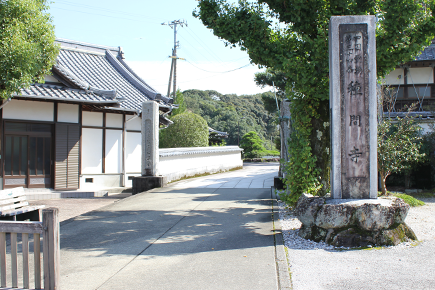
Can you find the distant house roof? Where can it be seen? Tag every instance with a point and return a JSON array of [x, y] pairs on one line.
[[428, 53], [96, 75], [217, 133]]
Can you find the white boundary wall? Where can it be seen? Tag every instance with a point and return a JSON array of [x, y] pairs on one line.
[[177, 163]]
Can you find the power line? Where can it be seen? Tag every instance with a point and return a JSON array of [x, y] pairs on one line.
[[201, 43], [89, 13], [196, 49], [174, 57], [219, 72], [99, 8]]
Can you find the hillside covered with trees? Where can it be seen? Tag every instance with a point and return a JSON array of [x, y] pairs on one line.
[[224, 112]]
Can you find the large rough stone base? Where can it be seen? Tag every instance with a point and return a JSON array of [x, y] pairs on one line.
[[355, 237], [144, 183], [354, 223]]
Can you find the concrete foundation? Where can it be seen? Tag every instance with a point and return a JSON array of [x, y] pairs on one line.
[[354, 223], [278, 183], [144, 183]]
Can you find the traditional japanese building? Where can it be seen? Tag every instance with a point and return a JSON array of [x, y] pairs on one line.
[[413, 83], [81, 129]]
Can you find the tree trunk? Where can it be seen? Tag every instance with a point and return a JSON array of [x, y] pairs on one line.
[[321, 143], [383, 184]]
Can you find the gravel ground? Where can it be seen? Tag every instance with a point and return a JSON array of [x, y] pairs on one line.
[[405, 266], [421, 219]]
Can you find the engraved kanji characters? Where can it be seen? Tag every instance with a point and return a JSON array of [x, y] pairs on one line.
[[355, 120], [355, 154], [354, 88], [353, 47]]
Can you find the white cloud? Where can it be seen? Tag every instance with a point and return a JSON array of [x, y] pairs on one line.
[[239, 82]]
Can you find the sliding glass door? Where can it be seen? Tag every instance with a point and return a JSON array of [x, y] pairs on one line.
[[28, 157]]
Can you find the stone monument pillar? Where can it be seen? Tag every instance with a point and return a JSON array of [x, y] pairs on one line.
[[284, 132], [354, 216], [150, 150], [353, 105], [150, 138]]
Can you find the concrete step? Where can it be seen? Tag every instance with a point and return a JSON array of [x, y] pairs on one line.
[[49, 193]]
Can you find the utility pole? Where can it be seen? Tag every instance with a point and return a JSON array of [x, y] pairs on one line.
[[174, 57]]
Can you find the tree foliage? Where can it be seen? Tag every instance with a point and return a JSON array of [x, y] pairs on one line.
[[291, 36], [179, 100], [272, 78], [188, 130], [399, 145], [27, 50], [229, 112], [252, 145]]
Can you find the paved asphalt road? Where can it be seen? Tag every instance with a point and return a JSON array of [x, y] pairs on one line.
[[214, 232]]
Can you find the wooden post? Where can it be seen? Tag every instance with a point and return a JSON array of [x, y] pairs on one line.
[[51, 248], [14, 262], [25, 246], [37, 258], [3, 259]]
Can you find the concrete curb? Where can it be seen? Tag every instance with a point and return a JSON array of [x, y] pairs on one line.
[[282, 265]]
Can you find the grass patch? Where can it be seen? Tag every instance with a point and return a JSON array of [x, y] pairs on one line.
[[412, 201], [424, 194]]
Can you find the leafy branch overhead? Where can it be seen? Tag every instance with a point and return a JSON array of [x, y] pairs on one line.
[[291, 36], [27, 50]]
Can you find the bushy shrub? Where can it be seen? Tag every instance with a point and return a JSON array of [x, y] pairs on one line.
[[188, 130], [252, 145]]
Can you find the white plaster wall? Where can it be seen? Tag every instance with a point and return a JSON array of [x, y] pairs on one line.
[[100, 181], [113, 151], [427, 127], [67, 113], [114, 120], [51, 79], [420, 75], [129, 182], [393, 77], [176, 167], [92, 119], [134, 124], [92, 151], [29, 110], [133, 152]]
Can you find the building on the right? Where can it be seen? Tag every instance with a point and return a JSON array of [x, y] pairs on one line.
[[413, 83]]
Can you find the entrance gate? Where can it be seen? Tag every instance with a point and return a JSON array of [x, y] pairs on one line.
[[28, 157]]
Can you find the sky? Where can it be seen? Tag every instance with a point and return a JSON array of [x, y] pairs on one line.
[[136, 26]]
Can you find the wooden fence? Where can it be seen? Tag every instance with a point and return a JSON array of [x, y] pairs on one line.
[[49, 229]]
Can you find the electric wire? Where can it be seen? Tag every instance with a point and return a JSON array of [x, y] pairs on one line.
[[201, 43], [219, 72], [195, 48], [115, 17], [99, 8]]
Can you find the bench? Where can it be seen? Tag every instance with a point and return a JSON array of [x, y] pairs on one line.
[[14, 206]]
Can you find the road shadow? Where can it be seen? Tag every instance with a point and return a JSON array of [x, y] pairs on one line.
[[179, 221]]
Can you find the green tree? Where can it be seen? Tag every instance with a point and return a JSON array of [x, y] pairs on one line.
[[399, 146], [252, 145], [27, 50], [188, 130], [291, 36], [225, 112], [272, 79], [179, 100]]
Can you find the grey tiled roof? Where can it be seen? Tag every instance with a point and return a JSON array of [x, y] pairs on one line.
[[427, 54], [96, 75], [45, 91], [99, 71]]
